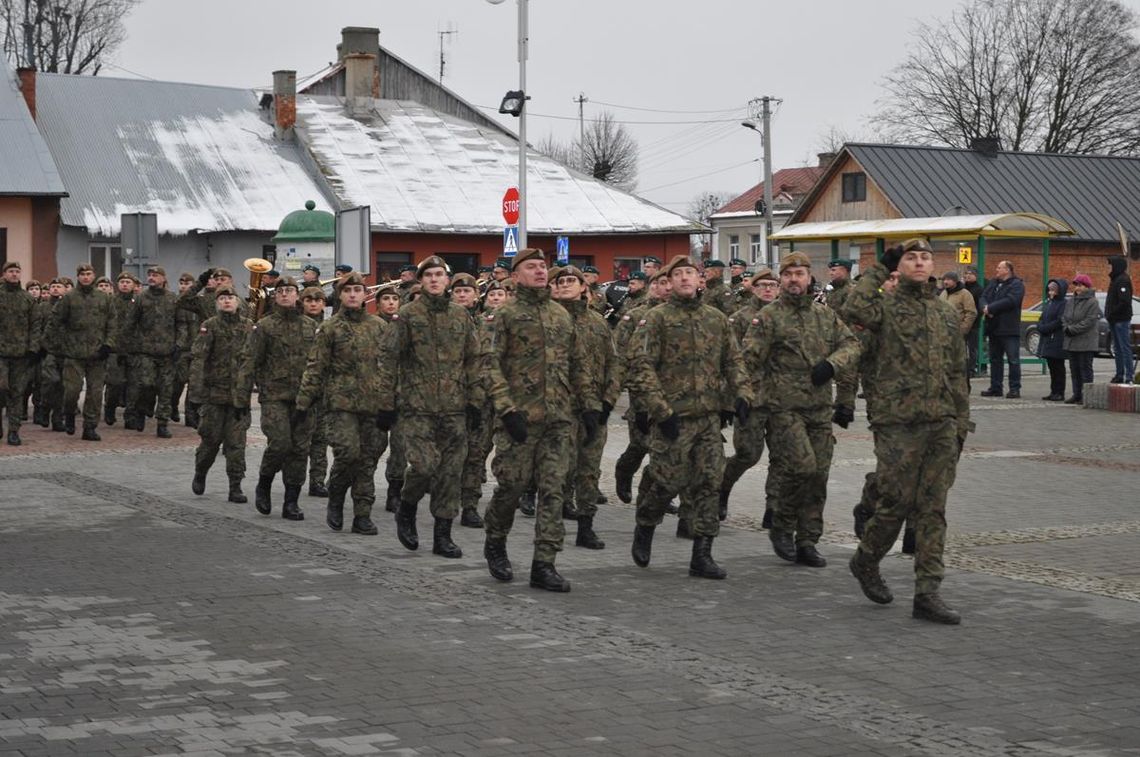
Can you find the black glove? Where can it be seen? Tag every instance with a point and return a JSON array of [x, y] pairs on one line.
[[843, 416], [590, 420], [298, 416], [821, 373], [743, 410], [726, 418], [385, 419], [515, 424], [669, 427], [241, 413], [205, 276], [103, 352], [892, 256], [176, 354], [474, 417], [641, 422], [607, 408]]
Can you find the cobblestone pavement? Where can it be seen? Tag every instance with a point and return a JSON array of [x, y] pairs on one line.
[[136, 618]]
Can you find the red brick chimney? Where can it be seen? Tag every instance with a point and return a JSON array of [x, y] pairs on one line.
[[284, 104], [27, 78]]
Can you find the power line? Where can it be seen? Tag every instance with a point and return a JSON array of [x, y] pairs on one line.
[[616, 121], [701, 176], [659, 110]]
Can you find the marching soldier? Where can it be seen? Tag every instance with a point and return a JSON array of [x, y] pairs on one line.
[[279, 345], [586, 453], [223, 413], [17, 347], [32, 364], [638, 283], [650, 265], [686, 368], [715, 292], [185, 328], [840, 288], [479, 440], [149, 328], [51, 361], [344, 369], [736, 271], [535, 359], [594, 296], [115, 380], [313, 307], [388, 302], [501, 271], [431, 372], [83, 327], [793, 351], [407, 274], [310, 276]]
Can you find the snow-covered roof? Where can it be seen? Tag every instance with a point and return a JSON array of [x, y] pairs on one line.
[[200, 157], [424, 171], [26, 167]]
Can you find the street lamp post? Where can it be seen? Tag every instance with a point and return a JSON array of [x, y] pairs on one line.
[[515, 104], [765, 132]]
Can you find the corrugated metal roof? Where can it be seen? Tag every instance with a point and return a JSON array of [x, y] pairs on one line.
[[946, 227], [1091, 193], [26, 166], [200, 157], [794, 181], [424, 171]]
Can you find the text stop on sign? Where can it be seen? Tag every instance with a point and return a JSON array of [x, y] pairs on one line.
[[511, 206]]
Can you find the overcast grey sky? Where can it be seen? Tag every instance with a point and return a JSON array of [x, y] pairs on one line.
[[824, 58]]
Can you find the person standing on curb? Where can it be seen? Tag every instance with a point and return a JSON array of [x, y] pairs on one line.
[[1051, 344], [1079, 324], [1118, 313], [1001, 310]]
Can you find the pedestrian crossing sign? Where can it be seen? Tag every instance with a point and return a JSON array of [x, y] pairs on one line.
[[965, 255], [563, 248], [510, 241]]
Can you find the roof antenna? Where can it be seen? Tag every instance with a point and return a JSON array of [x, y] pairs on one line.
[[443, 35]]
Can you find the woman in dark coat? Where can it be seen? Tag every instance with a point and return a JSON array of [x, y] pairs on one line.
[[1051, 345], [1082, 314]]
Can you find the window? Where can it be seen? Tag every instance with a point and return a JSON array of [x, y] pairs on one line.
[[733, 246], [461, 262], [106, 259], [388, 263], [623, 267], [3, 244], [854, 187], [269, 252], [755, 247]]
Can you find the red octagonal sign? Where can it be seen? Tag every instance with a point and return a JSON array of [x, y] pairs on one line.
[[511, 206]]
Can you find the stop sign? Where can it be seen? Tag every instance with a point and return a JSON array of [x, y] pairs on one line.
[[511, 206]]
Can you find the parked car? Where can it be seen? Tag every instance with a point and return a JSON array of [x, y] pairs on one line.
[[1031, 315]]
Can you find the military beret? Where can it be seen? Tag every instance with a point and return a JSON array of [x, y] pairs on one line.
[[680, 261], [553, 272], [589, 269], [343, 268], [186, 276], [32, 283], [406, 267], [639, 276], [794, 260], [226, 289], [570, 270], [125, 275], [714, 263], [495, 284], [529, 253], [83, 267], [738, 261], [662, 274], [221, 273], [486, 268], [102, 280], [56, 280], [502, 263], [12, 264], [764, 274], [273, 272], [312, 293], [311, 267], [434, 261], [651, 259], [917, 243], [352, 279], [464, 280], [289, 281], [840, 262], [157, 269]]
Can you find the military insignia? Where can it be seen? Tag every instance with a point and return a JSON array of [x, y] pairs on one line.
[[491, 317], [395, 316], [202, 330], [641, 322], [625, 317], [755, 321]]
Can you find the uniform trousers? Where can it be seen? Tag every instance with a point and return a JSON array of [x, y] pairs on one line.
[[115, 383], [475, 464], [51, 384], [219, 427], [181, 376], [318, 444], [693, 463], [800, 443], [286, 442], [747, 448], [357, 444], [76, 373], [13, 375], [397, 464], [585, 468], [436, 447], [149, 378]]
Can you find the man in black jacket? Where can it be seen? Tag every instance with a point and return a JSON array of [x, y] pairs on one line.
[[1001, 310], [1118, 313]]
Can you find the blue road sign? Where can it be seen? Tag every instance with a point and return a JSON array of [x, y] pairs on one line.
[[510, 241], [563, 246]]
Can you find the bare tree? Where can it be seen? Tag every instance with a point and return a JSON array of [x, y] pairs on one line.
[[564, 153], [1041, 75], [608, 152], [700, 209], [62, 36]]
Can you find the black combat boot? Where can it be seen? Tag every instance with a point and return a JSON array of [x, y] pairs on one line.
[[495, 551], [671, 508], [871, 582], [334, 512], [527, 503], [289, 508], [862, 515], [163, 431], [602, 499], [808, 555], [139, 422], [783, 545], [569, 510], [198, 485], [261, 494], [722, 512], [586, 536], [642, 544], [174, 416], [684, 531], [441, 543], [109, 414], [908, 544], [470, 518], [362, 524], [14, 437], [931, 607], [236, 494], [69, 424], [89, 434], [57, 423], [406, 525], [623, 483], [191, 420], [544, 576], [702, 564], [40, 416], [318, 489], [128, 421], [392, 500], [766, 521]]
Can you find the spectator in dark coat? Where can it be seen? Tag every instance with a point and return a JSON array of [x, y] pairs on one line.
[[1001, 308], [1051, 344], [1082, 314], [971, 285], [1118, 313]]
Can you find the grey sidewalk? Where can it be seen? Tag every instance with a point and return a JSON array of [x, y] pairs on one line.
[[136, 618]]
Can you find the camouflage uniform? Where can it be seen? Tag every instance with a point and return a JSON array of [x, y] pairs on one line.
[[788, 338], [319, 438], [275, 360], [479, 440], [44, 404], [218, 351], [344, 368], [185, 328], [837, 296], [397, 464], [718, 295], [17, 324], [687, 365], [638, 447], [920, 412], [150, 321], [536, 368], [82, 324], [118, 363], [436, 360], [633, 300], [51, 368]]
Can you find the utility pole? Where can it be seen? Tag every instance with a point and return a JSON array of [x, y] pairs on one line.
[[442, 35], [766, 125], [581, 99]]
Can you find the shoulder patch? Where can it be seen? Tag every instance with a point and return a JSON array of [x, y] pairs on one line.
[[641, 322], [755, 321], [202, 330], [395, 316], [625, 317]]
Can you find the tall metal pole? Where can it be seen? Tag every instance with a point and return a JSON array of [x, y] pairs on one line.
[[766, 117], [523, 40]]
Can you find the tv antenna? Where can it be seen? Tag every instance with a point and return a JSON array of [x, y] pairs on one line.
[[444, 34]]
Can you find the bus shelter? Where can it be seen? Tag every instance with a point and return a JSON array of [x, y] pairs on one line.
[[970, 232]]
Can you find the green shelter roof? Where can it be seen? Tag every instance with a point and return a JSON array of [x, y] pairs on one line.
[[308, 225]]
